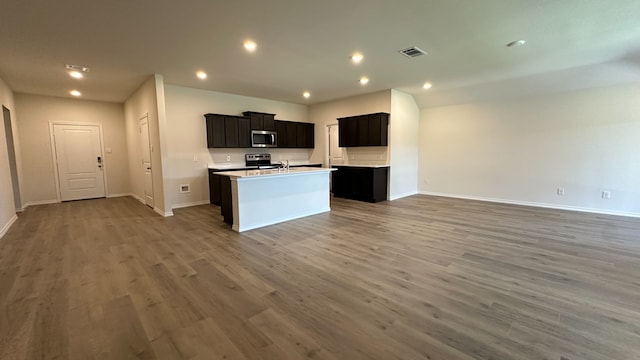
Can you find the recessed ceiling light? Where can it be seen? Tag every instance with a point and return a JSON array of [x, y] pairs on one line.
[[306, 94], [356, 58], [364, 80], [427, 86], [516, 43], [75, 93], [201, 75], [250, 45], [76, 74]]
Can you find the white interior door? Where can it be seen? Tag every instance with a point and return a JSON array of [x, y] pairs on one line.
[[145, 145], [80, 161], [335, 151]]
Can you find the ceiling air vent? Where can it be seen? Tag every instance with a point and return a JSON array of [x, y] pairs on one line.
[[412, 52]]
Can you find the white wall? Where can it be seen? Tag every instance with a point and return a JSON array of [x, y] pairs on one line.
[[145, 101], [36, 112], [7, 206], [403, 145], [186, 137], [326, 113], [522, 150]]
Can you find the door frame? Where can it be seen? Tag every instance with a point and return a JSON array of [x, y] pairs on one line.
[[327, 154], [16, 178], [54, 157], [153, 193]]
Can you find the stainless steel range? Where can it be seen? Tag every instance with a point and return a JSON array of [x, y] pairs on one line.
[[260, 161]]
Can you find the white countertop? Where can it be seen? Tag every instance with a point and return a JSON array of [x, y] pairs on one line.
[[224, 166], [273, 172], [302, 162], [362, 165]]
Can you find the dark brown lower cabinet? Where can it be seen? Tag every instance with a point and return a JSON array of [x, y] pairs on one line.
[[226, 205], [214, 188], [220, 194], [360, 183]]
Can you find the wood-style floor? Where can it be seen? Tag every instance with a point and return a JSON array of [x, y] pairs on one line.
[[417, 278]]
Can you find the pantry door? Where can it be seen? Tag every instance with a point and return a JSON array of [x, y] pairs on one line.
[[79, 160]]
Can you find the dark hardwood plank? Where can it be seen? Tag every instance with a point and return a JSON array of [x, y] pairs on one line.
[[417, 278]]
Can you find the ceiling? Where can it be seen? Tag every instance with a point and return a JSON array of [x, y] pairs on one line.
[[305, 45]]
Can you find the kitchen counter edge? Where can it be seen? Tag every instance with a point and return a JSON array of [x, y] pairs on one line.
[[273, 172]]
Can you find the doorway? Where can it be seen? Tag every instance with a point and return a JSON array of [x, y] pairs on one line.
[[335, 151], [145, 147], [79, 160], [13, 164]]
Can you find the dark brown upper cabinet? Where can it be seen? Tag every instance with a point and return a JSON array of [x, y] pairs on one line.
[[227, 131], [216, 136], [261, 121], [244, 132], [292, 134], [363, 130]]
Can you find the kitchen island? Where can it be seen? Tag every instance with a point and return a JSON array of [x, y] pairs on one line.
[[265, 197]]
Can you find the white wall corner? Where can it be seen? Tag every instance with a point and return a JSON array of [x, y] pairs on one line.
[[163, 213], [164, 136], [137, 198], [403, 145]]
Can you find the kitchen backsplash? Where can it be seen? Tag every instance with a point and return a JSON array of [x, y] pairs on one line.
[[219, 156], [374, 155]]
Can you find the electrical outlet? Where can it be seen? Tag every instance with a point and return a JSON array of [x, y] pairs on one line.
[[560, 191], [606, 194], [228, 157], [195, 158], [185, 188]]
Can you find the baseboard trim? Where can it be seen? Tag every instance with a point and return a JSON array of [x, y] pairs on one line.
[[41, 202], [119, 195], [137, 198], [163, 213], [194, 203], [391, 198], [6, 227], [535, 204]]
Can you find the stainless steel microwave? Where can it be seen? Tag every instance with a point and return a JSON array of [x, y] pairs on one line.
[[261, 138]]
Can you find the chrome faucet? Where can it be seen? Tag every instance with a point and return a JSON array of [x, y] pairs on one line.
[[284, 165]]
